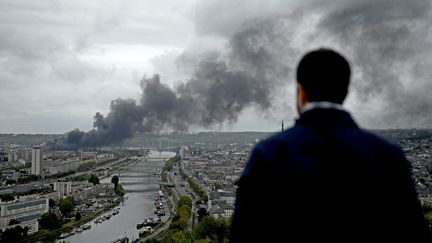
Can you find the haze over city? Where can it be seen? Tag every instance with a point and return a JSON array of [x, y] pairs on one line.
[[223, 66]]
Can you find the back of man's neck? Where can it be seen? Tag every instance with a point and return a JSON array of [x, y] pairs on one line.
[[323, 105]]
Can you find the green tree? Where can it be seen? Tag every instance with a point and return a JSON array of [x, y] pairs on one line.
[[66, 206], [164, 177], [184, 212], [115, 181], [202, 212], [217, 186], [169, 165], [119, 190], [6, 198], [10, 182], [181, 218], [51, 203], [50, 236], [14, 234], [94, 179], [49, 221], [211, 228], [77, 216], [184, 200], [13, 221], [86, 165]]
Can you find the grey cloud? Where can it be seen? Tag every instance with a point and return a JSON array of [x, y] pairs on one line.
[[386, 41], [221, 87], [26, 53], [379, 37]]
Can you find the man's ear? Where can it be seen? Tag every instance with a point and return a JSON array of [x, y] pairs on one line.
[[302, 95]]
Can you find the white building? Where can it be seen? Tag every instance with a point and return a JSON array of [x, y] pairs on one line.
[[27, 213], [63, 188], [36, 166]]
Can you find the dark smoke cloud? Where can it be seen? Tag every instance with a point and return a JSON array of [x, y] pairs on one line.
[[214, 95], [386, 41]]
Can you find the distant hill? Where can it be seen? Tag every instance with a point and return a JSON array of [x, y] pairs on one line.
[[27, 139], [203, 137], [190, 139]]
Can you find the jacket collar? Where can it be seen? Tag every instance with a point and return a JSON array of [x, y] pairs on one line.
[[325, 117], [322, 104]]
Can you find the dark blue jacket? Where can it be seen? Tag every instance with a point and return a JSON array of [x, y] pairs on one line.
[[326, 180]]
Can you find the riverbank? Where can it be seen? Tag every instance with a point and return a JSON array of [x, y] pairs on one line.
[[160, 231], [171, 197], [52, 235], [140, 180]]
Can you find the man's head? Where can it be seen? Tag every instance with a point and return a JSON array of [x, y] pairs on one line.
[[322, 75]]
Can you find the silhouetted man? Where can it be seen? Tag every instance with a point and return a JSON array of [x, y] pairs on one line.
[[325, 179]]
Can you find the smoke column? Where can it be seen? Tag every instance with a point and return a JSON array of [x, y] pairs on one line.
[[386, 41]]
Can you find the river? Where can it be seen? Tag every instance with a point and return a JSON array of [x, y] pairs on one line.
[[141, 186]]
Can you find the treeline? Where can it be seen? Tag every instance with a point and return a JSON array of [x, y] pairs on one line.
[[181, 218], [209, 229], [169, 164], [427, 212], [197, 189], [164, 176], [87, 165]]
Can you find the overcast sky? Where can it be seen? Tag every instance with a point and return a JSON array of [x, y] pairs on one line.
[[63, 61]]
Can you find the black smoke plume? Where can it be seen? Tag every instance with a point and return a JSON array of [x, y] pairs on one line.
[[387, 42]]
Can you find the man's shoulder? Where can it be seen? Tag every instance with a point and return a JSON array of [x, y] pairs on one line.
[[278, 138], [385, 145], [269, 146], [298, 135]]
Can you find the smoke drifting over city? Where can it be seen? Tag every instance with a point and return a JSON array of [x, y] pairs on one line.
[[386, 41]]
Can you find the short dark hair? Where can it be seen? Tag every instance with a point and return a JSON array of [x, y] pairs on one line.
[[324, 75]]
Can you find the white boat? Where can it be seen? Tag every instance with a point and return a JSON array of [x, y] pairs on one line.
[[145, 231], [86, 226], [63, 235]]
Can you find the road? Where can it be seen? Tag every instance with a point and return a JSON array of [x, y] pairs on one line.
[[183, 188]]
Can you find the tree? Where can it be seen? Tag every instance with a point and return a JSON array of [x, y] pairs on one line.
[[13, 221], [115, 181], [202, 212], [70, 199], [94, 179], [66, 206], [169, 164], [164, 176], [51, 203], [50, 236], [10, 182], [7, 198], [14, 234], [119, 190], [184, 200], [215, 229], [77, 216], [86, 165], [49, 221], [218, 186]]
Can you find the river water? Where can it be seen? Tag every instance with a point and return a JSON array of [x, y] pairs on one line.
[[141, 186]]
